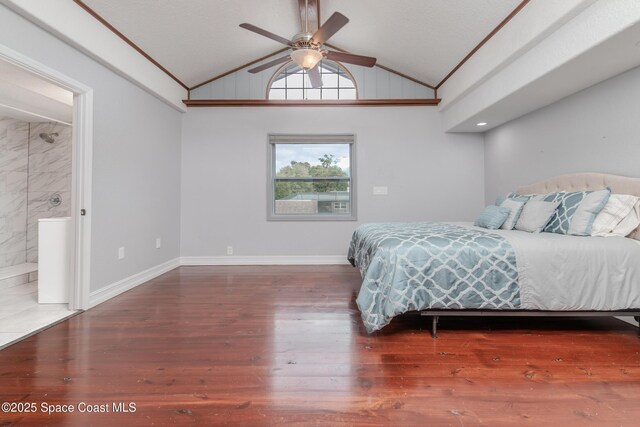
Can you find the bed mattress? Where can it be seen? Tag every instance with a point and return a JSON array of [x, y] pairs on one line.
[[419, 266]]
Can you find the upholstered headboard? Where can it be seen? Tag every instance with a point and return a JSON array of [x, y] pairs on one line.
[[584, 182]]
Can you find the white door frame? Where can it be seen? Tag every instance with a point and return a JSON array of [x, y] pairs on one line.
[[82, 141]]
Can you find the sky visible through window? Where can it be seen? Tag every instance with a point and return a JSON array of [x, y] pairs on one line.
[[311, 153]]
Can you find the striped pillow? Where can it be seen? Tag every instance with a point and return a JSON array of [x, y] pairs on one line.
[[618, 207]]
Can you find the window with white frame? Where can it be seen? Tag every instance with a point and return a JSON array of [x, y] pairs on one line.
[[311, 177], [292, 82]]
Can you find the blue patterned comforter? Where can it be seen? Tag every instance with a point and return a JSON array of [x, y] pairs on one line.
[[418, 266]]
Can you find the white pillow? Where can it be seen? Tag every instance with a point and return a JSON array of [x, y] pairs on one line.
[[587, 211], [614, 212], [536, 215], [516, 210]]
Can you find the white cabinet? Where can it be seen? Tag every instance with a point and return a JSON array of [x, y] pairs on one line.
[[55, 238]]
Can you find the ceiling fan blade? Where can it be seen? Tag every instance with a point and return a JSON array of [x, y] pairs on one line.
[[314, 77], [329, 28], [310, 14], [270, 64], [266, 33], [365, 61]]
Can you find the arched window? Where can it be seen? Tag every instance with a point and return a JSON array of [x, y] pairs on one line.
[[292, 82]]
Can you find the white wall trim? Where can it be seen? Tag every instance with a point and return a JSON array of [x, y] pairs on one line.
[[67, 21], [128, 283], [121, 286], [266, 260], [82, 137]]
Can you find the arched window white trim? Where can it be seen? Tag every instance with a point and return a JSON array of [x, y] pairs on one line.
[[292, 82]]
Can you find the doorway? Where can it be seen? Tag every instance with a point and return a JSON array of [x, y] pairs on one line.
[[45, 183]]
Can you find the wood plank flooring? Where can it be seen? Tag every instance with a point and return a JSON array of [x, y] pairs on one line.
[[285, 346]]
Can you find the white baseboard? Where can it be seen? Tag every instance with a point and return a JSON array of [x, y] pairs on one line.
[[114, 289], [265, 260]]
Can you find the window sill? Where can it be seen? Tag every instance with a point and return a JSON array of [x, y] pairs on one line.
[[314, 218]]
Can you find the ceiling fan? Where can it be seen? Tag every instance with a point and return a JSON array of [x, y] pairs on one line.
[[306, 47]]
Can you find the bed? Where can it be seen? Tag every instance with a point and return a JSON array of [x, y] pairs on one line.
[[444, 269]]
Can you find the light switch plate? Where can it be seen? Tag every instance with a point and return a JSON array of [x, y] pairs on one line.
[[380, 191]]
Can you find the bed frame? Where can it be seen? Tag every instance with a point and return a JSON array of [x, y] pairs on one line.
[[436, 314], [569, 182]]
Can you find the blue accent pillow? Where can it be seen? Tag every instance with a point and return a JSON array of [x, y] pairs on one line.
[[569, 202], [492, 217]]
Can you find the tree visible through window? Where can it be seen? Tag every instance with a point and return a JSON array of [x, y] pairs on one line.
[[311, 180], [292, 82], [328, 168]]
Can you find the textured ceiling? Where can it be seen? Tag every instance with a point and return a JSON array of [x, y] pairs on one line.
[[198, 39]]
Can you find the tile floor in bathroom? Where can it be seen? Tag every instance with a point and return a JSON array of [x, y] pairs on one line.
[[21, 315]]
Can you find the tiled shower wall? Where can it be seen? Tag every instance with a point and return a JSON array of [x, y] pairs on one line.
[[49, 179], [14, 155], [33, 173]]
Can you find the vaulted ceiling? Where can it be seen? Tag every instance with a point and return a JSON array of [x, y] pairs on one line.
[[199, 39]]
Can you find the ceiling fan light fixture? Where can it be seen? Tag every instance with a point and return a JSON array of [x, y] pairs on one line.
[[306, 58]]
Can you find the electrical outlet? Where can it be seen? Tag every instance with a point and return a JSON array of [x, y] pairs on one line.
[[121, 252], [229, 250], [158, 243]]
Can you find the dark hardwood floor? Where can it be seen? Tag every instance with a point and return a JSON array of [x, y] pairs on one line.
[[285, 346]]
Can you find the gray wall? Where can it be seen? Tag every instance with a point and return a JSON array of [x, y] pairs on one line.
[[596, 130], [430, 175], [136, 164]]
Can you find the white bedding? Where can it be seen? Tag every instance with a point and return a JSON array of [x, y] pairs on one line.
[[560, 272]]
